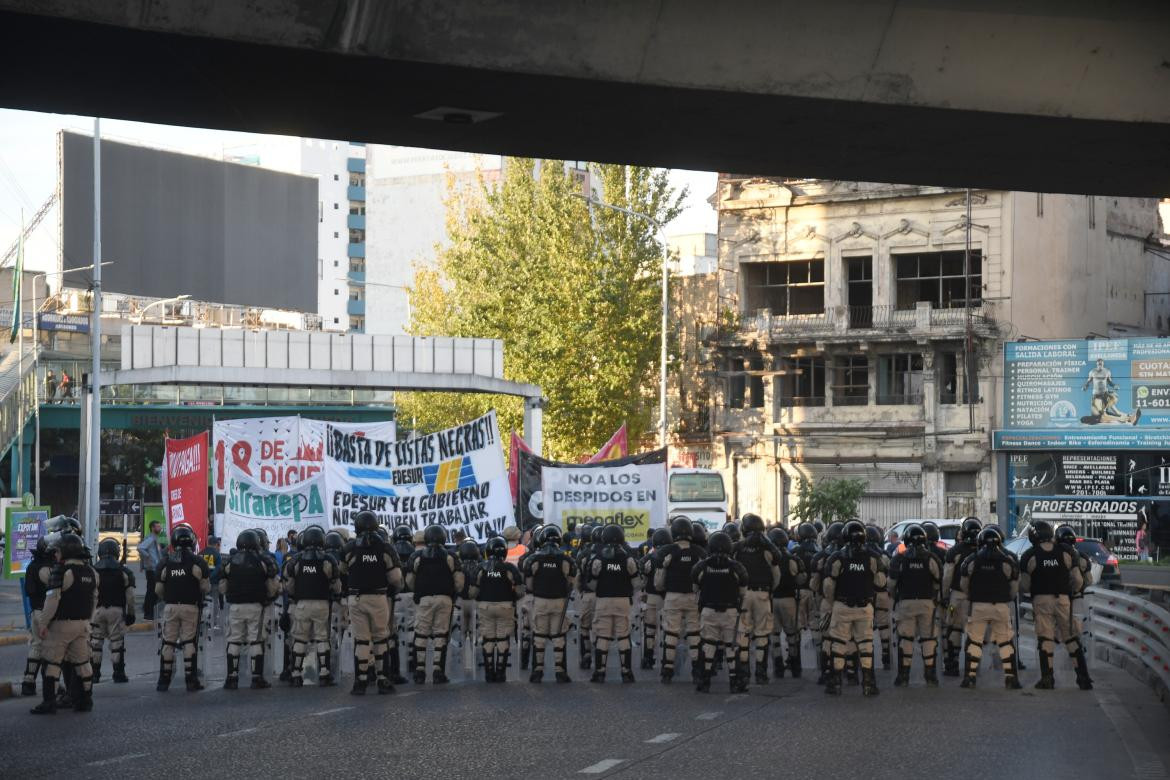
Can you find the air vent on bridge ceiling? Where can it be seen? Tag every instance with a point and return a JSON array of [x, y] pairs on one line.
[[458, 116]]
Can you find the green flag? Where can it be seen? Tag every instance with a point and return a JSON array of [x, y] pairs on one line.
[[17, 274]]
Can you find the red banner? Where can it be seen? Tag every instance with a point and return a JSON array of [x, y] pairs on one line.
[[618, 446], [185, 484]]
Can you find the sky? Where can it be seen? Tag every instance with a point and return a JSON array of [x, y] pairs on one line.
[[28, 172]]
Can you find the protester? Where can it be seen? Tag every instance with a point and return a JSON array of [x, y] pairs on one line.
[[66, 385], [50, 386], [152, 550]]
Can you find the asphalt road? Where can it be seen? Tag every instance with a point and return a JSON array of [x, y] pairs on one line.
[[1146, 575], [470, 729]]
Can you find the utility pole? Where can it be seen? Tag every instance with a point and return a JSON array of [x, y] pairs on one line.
[[93, 461]]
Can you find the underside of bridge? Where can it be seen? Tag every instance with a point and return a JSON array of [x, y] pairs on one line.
[[1046, 95]]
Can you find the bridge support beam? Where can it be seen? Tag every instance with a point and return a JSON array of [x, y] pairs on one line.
[[534, 423]]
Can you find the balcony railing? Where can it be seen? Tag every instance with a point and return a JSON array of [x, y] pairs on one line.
[[899, 399], [803, 401], [849, 320]]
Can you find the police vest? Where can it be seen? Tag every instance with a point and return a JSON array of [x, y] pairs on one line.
[[682, 563], [366, 565], [311, 580], [614, 581], [1050, 576], [247, 579], [432, 574], [914, 579], [181, 585], [77, 602], [33, 586], [719, 587], [548, 576], [787, 586], [988, 584], [111, 586], [470, 569], [585, 566], [956, 555], [806, 551], [752, 553], [648, 566], [496, 581], [855, 579]]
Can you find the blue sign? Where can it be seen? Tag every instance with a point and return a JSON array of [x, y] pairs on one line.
[[72, 323], [1095, 394]]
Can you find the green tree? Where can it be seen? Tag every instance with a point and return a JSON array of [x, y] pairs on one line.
[[828, 500], [573, 290]]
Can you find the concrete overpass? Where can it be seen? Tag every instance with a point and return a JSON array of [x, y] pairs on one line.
[[1049, 95]]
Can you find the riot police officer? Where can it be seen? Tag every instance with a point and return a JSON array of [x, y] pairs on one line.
[[851, 579], [372, 573], [990, 579], [495, 588], [652, 597], [882, 602], [699, 538], [470, 559], [181, 582], [312, 582], [1071, 635], [114, 611], [954, 597], [36, 583], [434, 576], [680, 608], [784, 605], [915, 578], [806, 550], [586, 597], [402, 631], [721, 583], [249, 583], [548, 572], [761, 559], [1050, 573], [613, 571], [820, 618], [63, 625]]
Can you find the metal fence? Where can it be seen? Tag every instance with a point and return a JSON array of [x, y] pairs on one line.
[[1134, 625]]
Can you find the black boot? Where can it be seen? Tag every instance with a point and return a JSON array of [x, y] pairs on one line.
[[164, 676], [739, 676], [822, 668], [48, 705], [868, 682], [627, 657], [83, 695], [885, 655], [191, 667], [1047, 681], [418, 662], [703, 679], [502, 669], [1011, 679], [324, 671], [1084, 681], [794, 666], [439, 675], [930, 675], [778, 666], [526, 650], [32, 668], [286, 666], [903, 676], [120, 673], [233, 673], [395, 673], [972, 670], [258, 680], [583, 652], [951, 661], [648, 655], [96, 664], [360, 681], [381, 680], [562, 675], [599, 661], [833, 683], [852, 664]]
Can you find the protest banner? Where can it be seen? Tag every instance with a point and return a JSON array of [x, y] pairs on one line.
[[23, 526], [277, 510], [617, 447], [280, 451], [530, 494], [630, 495], [185, 483], [454, 478]]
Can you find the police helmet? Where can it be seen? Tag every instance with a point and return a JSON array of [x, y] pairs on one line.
[[334, 541], [1066, 535], [109, 548], [778, 537], [834, 531], [680, 528], [660, 538], [365, 522], [612, 534], [248, 540], [732, 531], [585, 533], [915, 536], [817, 524], [183, 536], [402, 533], [596, 534], [990, 537], [932, 532], [699, 533], [719, 544], [969, 531], [71, 546], [806, 532], [1043, 531], [469, 551], [497, 548], [63, 524], [550, 536], [751, 523], [262, 535], [434, 535], [873, 534], [996, 529], [854, 532], [382, 533], [313, 537]]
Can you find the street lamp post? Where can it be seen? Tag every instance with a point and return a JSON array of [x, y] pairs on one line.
[[142, 314], [658, 228]]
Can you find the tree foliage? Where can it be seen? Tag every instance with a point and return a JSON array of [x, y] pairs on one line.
[[828, 500], [573, 290]]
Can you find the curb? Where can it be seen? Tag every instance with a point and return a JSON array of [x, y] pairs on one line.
[[22, 637]]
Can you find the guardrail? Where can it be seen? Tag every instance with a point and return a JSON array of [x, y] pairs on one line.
[[1134, 625]]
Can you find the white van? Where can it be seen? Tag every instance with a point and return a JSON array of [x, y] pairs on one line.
[[699, 494]]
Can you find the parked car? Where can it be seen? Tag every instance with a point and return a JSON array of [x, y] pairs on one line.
[[1104, 563]]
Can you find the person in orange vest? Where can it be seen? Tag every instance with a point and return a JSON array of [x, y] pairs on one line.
[[516, 554]]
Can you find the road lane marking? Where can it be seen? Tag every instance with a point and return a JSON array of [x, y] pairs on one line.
[[117, 759], [735, 697], [708, 715], [662, 738], [237, 733], [602, 766], [330, 712]]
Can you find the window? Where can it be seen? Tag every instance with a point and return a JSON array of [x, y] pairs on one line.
[[736, 382], [356, 207], [357, 236], [859, 281], [336, 177], [357, 265], [756, 383], [796, 287], [696, 487], [336, 292], [952, 384], [336, 263], [936, 277], [357, 179], [336, 321], [335, 207], [851, 384], [899, 379], [802, 382], [357, 323], [336, 234], [356, 294]]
